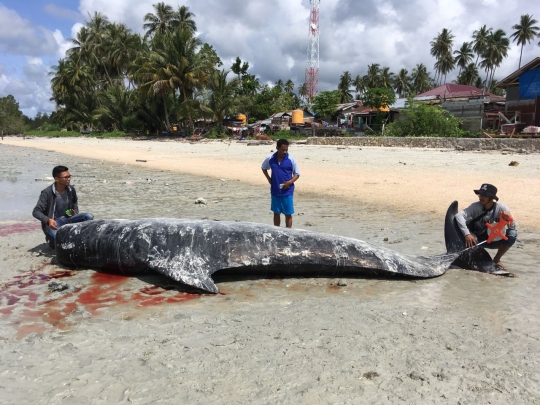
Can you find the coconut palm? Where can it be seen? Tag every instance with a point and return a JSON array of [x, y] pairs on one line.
[[164, 20], [480, 39], [345, 83], [123, 47], [371, 79], [496, 50], [116, 103], [289, 86], [184, 20], [421, 80], [172, 65], [468, 75], [441, 49], [221, 100], [279, 85], [359, 85], [303, 90], [525, 32], [386, 77], [464, 55], [98, 33], [402, 83]]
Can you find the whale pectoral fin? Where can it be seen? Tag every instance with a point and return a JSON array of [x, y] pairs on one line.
[[199, 278]]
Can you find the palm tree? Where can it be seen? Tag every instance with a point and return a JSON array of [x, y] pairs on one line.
[[220, 102], [441, 49], [420, 79], [402, 83], [279, 85], [303, 90], [386, 77], [468, 75], [161, 22], [480, 39], [289, 86], [464, 55], [345, 82], [371, 79], [184, 20], [359, 85], [525, 32], [98, 33], [116, 103], [173, 65], [496, 50]]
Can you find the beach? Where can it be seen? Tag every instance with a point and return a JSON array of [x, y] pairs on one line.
[[464, 337]]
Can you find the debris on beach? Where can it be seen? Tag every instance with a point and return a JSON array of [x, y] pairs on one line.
[[140, 160], [45, 179], [201, 200], [57, 286], [513, 163]]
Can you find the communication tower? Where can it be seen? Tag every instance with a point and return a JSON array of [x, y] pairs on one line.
[[312, 71]]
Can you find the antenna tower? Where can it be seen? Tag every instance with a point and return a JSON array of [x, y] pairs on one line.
[[312, 71]]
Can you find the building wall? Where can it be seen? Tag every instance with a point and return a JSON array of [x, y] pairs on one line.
[[511, 144]]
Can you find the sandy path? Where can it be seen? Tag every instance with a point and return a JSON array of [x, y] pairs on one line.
[[421, 181]]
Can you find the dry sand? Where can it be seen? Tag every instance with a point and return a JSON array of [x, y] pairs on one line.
[[465, 337]]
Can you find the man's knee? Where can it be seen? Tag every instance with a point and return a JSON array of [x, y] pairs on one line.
[[88, 216], [511, 234]]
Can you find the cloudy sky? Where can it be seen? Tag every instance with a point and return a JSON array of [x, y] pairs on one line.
[[272, 35]]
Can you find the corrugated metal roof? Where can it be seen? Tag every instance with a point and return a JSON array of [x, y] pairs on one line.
[[452, 90], [400, 102], [513, 79]]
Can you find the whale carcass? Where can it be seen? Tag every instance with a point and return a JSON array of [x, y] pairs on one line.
[[190, 251]]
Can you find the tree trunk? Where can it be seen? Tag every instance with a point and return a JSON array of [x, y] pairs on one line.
[[520, 55], [166, 113]]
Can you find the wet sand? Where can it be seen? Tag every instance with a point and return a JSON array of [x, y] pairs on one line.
[[464, 337]]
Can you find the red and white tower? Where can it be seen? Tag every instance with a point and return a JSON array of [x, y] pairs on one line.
[[312, 71]]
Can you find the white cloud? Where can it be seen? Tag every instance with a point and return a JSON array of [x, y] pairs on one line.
[[22, 37], [60, 12], [272, 35]]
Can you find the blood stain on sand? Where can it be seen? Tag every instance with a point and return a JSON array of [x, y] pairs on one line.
[[6, 230], [158, 297], [105, 291]]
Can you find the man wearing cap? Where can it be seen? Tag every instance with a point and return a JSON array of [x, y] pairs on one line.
[[472, 222]]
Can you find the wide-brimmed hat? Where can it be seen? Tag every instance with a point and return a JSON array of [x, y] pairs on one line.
[[489, 190]]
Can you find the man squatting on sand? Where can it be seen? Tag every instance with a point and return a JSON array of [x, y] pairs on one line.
[[472, 222], [58, 205], [284, 173]]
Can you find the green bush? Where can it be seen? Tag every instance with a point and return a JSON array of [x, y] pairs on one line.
[[419, 119]]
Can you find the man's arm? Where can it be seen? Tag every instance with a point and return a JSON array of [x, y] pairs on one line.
[[468, 213], [289, 183], [40, 210], [265, 172], [75, 201]]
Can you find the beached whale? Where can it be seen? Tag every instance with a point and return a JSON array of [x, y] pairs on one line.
[[476, 258], [190, 251]]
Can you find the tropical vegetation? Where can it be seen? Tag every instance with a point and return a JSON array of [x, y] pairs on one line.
[[113, 79]]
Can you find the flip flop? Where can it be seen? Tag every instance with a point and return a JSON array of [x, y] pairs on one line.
[[501, 266]]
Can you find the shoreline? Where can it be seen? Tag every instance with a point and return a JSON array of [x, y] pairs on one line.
[[417, 181]]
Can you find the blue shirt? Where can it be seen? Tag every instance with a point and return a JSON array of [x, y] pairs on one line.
[[281, 172]]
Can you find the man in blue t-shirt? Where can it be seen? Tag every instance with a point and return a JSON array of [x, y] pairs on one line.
[[284, 173]]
